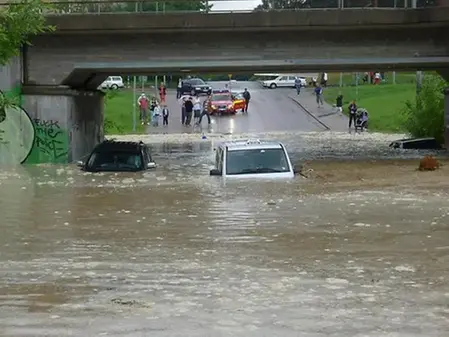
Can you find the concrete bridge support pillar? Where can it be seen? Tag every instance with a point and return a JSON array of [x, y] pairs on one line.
[[67, 123]]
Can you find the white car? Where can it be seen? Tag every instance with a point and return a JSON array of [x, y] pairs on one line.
[[287, 81], [113, 82], [252, 159]]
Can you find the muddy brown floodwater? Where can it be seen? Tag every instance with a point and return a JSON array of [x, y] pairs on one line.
[[358, 249]]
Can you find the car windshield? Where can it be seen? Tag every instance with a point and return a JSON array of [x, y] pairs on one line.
[[115, 161], [256, 161], [221, 98], [197, 81]]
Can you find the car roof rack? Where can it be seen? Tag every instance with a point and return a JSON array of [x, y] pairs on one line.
[[253, 141]]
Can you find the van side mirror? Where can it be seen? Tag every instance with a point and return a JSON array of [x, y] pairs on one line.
[[297, 169], [151, 165], [214, 172]]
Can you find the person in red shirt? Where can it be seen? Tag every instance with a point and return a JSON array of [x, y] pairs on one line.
[[162, 92], [143, 102]]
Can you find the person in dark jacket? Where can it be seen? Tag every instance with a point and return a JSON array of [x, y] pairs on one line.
[[189, 111], [352, 113], [247, 97], [339, 102], [205, 111]]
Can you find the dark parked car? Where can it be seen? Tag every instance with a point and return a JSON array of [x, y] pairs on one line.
[[113, 156], [195, 86]]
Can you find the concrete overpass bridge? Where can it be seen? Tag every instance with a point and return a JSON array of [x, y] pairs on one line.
[[401, 39], [62, 70]]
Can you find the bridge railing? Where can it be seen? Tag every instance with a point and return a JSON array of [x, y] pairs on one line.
[[218, 6]]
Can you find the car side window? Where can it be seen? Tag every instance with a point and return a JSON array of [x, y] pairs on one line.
[[283, 78]]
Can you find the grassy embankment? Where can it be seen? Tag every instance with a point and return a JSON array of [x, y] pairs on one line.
[[384, 102], [118, 113]]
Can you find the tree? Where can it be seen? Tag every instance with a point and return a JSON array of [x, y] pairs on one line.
[[19, 21], [137, 6], [425, 116]]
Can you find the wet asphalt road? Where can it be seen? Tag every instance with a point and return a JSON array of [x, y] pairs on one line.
[[269, 111]]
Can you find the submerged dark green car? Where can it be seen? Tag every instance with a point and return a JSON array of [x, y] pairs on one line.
[[113, 156]]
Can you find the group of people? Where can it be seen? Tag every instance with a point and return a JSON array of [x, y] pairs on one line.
[[357, 116], [192, 107], [156, 109]]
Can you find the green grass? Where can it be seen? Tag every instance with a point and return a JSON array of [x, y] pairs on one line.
[[350, 78], [118, 114], [384, 103]]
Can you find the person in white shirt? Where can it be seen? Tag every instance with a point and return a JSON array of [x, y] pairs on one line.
[[197, 106], [179, 89]]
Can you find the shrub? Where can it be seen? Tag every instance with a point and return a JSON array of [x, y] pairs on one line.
[[425, 115]]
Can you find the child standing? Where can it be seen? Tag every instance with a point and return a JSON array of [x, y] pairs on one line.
[[165, 114], [156, 114]]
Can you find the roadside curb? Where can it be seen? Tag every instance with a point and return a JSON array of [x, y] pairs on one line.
[[310, 113]]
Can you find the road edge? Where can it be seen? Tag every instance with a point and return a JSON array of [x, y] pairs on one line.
[[310, 113]]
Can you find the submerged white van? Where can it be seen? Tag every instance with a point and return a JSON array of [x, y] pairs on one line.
[[252, 159]]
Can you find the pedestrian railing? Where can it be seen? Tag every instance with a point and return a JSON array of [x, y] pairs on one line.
[[219, 6]]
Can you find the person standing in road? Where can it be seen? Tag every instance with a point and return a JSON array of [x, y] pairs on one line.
[[352, 113], [205, 111], [165, 114], [179, 89], [247, 97], [319, 95], [143, 103], [298, 85], [189, 111], [183, 110], [156, 114], [197, 109], [162, 93]]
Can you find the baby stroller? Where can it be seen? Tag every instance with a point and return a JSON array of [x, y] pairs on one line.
[[361, 119]]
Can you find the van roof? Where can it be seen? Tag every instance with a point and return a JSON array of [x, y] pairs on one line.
[[251, 144]]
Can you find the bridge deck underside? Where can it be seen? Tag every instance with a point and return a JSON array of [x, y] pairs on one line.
[[53, 58], [91, 75]]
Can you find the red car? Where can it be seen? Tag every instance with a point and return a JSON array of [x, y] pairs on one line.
[[221, 103]]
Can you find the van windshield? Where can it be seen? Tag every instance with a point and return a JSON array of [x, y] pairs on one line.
[[247, 161]]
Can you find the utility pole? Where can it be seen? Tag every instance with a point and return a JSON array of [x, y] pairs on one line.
[[419, 75]]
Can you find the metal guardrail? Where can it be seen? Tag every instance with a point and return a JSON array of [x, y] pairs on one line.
[[207, 6]]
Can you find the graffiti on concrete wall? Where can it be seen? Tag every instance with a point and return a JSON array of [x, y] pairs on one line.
[[23, 140], [50, 142]]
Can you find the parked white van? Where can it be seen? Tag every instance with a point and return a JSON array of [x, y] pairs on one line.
[[273, 81], [252, 159], [113, 82]]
